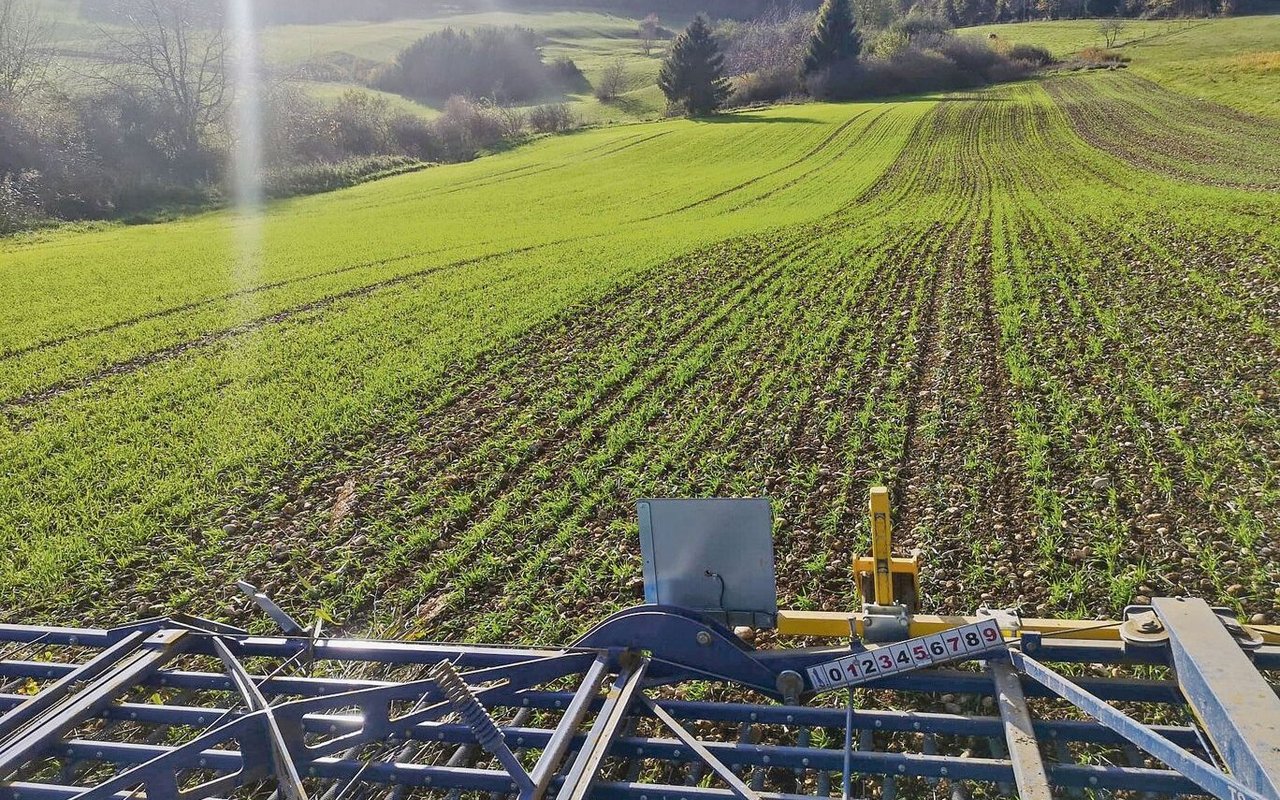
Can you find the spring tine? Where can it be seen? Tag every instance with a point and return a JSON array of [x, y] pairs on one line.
[[747, 734], [1133, 757], [998, 750], [930, 748], [696, 770], [1064, 756], [632, 765], [803, 739], [520, 719]]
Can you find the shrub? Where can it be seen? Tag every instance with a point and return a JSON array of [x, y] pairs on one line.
[[766, 86], [466, 127], [358, 124], [958, 63], [567, 75], [1031, 53], [1097, 55], [501, 63], [970, 55], [552, 118], [613, 81], [415, 137], [314, 178]]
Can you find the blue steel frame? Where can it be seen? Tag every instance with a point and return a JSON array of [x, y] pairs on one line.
[[185, 708]]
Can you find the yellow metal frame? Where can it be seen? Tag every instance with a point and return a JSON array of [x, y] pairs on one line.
[[883, 565], [835, 624]]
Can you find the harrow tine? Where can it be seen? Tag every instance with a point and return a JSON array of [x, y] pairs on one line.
[[930, 748]]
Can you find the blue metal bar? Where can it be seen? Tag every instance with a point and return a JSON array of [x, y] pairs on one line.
[[111, 678], [869, 762], [1202, 773], [583, 772], [35, 706], [739, 788], [932, 681], [558, 745], [1236, 706]]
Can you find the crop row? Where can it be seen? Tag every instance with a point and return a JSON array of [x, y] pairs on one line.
[[1062, 361], [1152, 127]]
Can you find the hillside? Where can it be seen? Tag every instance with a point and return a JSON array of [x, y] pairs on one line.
[[428, 404], [1234, 61]]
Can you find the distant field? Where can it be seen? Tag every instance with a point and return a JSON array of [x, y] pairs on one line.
[[1234, 60], [1047, 314], [591, 39]]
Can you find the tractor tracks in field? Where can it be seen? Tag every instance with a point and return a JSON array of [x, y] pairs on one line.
[[248, 292], [1182, 140], [813, 152], [194, 305], [959, 473], [18, 404]]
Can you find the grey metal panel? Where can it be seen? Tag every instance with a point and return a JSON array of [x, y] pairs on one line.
[[1235, 704], [686, 544]]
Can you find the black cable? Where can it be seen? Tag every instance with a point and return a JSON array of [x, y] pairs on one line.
[[718, 577]]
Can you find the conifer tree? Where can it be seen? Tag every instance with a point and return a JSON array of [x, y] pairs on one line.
[[692, 76], [835, 38]]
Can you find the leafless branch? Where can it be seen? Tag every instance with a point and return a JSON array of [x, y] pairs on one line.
[[177, 51], [24, 51]]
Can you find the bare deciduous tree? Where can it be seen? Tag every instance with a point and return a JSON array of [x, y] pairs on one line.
[[178, 51], [1111, 29], [649, 31], [613, 80], [773, 41], [24, 53]]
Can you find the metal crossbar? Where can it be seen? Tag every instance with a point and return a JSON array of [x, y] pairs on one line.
[[176, 708]]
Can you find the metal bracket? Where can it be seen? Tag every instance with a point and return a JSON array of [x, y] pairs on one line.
[[882, 624], [1009, 620]]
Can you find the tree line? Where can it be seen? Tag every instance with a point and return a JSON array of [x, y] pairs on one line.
[[149, 130], [793, 54]]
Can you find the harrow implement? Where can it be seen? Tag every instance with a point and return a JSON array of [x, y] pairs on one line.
[[663, 701]]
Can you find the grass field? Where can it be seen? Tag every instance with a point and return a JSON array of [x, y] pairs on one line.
[[427, 405], [1234, 61], [591, 39]]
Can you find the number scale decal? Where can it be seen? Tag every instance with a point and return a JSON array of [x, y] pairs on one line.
[[924, 651]]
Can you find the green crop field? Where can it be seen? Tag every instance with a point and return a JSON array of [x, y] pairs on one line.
[[1234, 61], [1046, 314]]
